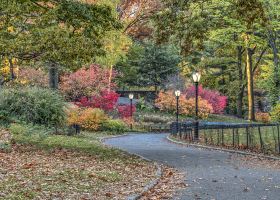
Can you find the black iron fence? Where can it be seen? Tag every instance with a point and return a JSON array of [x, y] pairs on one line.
[[263, 138]]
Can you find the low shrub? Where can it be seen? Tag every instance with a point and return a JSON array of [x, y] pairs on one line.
[[155, 119], [33, 105], [275, 113], [263, 117], [113, 125], [91, 119]]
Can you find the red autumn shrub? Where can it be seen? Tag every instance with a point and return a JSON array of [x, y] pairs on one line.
[[83, 102], [217, 101], [87, 82], [125, 112], [107, 100]]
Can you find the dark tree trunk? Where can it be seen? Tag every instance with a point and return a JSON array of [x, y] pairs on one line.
[[53, 77], [276, 81], [241, 87], [12, 71]]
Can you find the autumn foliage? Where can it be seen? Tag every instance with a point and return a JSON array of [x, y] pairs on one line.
[[125, 111], [107, 100], [167, 102], [217, 101], [263, 117], [89, 118], [87, 82]]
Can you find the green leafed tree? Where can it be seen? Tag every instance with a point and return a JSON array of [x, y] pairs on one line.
[[62, 35], [149, 65]]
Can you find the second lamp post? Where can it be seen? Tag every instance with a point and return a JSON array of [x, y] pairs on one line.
[[131, 96], [196, 78], [177, 94]]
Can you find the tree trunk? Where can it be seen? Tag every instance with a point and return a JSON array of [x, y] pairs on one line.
[[53, 77], [12, 72], [110, 77], [240, 95], [250, 83], [276, 81]]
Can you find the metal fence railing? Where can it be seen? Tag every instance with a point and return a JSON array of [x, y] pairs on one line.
[[263, 138]]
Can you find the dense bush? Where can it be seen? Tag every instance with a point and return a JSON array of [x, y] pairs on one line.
[[166, 101], [86, 82], [275, 113], [113, 125], [94, 119], [106, 101], [89, 118], [33, 105], [217, 101]]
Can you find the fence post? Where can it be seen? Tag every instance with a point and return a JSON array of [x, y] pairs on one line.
[[223, 143], [275, 140], [278, 138], [237, 137], [247, 137], [233, 137], [218, 137], [261, 141]]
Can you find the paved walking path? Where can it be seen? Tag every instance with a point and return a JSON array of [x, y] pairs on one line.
[[209, 174]]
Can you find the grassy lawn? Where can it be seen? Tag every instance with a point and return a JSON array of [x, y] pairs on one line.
[[163, 119], [260, 140], [63, 167]]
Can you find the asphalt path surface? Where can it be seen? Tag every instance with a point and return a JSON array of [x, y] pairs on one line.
[[210, 174]]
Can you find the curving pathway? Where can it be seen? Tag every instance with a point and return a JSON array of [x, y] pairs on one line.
[[209, 174]]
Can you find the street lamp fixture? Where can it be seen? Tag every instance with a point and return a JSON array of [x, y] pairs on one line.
[[131, 96], [196, 78], [177, 94]]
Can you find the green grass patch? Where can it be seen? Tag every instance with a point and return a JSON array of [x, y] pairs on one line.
[[86, 142]]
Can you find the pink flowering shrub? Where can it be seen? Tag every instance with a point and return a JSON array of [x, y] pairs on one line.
[[217, 101], [87, 82]]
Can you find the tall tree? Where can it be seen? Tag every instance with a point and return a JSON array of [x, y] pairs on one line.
[[150, 65], [60, 34]]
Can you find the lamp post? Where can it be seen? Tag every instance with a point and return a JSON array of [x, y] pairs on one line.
[[196, 78], [177, 94], [131, 99]]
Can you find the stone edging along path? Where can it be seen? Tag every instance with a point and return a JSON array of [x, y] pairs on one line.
[[152, 183], [221, 149]]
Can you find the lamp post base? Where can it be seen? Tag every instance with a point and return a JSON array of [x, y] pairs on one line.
[[196, 131]]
